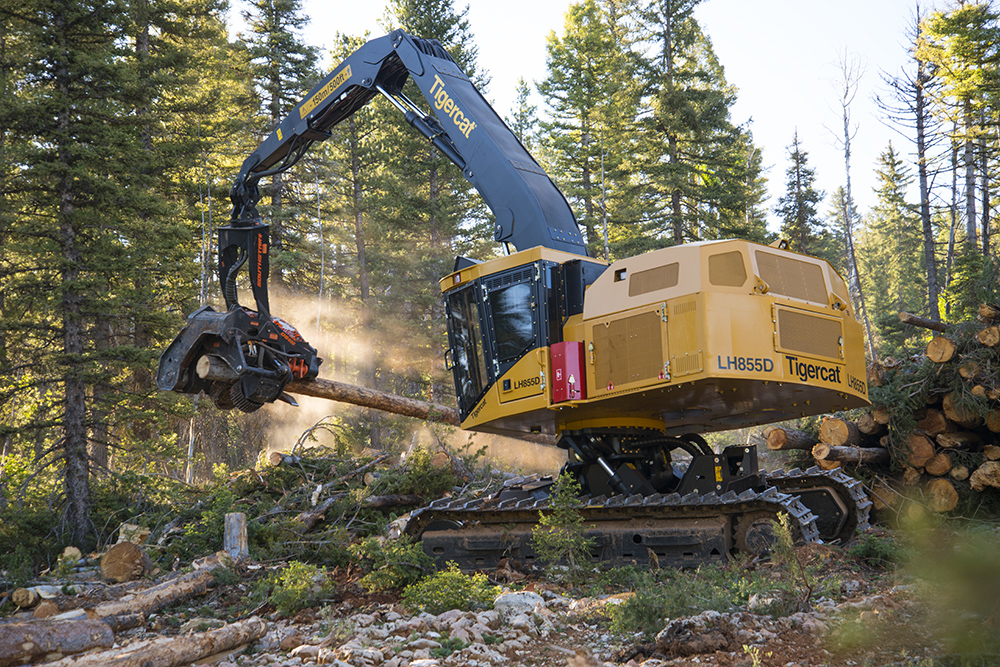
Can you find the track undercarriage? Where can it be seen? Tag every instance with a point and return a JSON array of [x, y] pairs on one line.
[[643, 507]]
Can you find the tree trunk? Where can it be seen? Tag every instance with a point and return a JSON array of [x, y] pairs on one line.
[[161, 595], [970, 177], [173, 651], [930, 257], [234, 539], [783, 439], [71, 300], [33, 641]]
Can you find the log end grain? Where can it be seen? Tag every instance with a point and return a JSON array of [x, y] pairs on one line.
[[941, 495], [125, 561], [986, 475]]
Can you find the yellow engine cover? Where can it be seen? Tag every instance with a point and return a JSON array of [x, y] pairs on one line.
[[696, 338]]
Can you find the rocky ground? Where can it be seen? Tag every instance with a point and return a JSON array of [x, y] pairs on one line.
[[870, 619]]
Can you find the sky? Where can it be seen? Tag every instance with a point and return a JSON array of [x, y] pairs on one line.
[[782, 56]]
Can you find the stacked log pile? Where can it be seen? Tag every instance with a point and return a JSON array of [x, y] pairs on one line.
[[934, 429]]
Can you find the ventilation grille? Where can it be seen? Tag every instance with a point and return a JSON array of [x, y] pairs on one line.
[[793, 278], [651, 280], [809, 334], [495, 282], [628, 350], [687, 364], [726, 269]]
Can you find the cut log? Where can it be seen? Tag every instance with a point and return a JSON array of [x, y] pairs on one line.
[[939, 464], [959, 473], [881, 414], [979, 391], [934, 422], [784, 439], [875, 375], [989, 336], [234, 539], [919, 449], [968, 370], [868, 455], [958, 414], [25, 597], [306, 520], [941, 495], [883, 496], [400, 405], [988, 312], [173, 651], [957, 440], [940, 349], [125, 561], [867, 425], [838, 432], [46, 609], [161, 595], [986, 475], [923, 322], [993, 420], [827, 465], [991, 452], [911, 476], [282, 459], [33, 641]]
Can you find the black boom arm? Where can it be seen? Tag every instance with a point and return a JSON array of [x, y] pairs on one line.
[[530, 210]]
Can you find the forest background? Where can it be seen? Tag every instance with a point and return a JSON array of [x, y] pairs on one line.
[[122, 123]]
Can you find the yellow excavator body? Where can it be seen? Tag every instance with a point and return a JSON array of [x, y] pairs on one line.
[[695, 338]]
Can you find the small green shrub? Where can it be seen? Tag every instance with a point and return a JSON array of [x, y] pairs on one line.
[[295, 587], [448, 646], [882, 552], [560, 536], [450, 589], [390, 564]]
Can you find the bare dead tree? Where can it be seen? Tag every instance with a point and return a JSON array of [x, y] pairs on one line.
[[851, 71]]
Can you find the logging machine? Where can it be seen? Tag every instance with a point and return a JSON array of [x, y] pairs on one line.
[[626, 363]]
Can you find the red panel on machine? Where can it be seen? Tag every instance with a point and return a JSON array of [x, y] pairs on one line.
[[568, 377]]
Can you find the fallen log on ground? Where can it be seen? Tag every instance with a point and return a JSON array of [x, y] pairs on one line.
[[380, 400], [173, 651], [33, 641]]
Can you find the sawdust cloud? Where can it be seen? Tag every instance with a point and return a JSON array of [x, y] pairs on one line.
[[342, 345]]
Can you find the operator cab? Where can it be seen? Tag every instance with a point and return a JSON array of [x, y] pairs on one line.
[[497, 317]]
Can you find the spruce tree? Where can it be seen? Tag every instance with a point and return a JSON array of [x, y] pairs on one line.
[[800, 222]]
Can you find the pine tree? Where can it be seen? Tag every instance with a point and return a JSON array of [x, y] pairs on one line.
[[694, 156], [800, 221], [284, 69]]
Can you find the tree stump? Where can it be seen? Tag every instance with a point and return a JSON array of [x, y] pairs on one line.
[[839, 432], [940, 349], [784, 439], [234, 538], [941, 495], [125, 561]]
